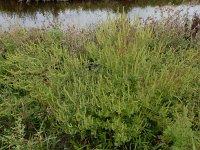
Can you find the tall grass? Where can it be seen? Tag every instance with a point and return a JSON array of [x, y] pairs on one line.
[[122, 86]]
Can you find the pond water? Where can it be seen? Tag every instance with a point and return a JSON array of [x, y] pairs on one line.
[[83, 13]]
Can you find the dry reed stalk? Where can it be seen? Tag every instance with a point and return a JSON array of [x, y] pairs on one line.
[[195, 27]]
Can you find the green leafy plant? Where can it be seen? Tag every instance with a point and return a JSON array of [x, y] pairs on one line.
[[127, 87]]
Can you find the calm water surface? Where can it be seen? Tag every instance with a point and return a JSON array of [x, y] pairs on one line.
[[82, 13]]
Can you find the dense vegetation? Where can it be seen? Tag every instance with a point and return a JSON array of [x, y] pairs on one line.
[[33, 7], [122, 86]]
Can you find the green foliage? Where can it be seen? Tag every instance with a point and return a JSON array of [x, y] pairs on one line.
[[126, 90]]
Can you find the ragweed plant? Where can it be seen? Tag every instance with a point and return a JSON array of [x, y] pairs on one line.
[[128, 87]]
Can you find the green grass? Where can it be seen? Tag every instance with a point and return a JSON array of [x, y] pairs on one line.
[[122, 86]]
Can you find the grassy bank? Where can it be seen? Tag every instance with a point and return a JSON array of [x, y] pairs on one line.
[[122, 86]]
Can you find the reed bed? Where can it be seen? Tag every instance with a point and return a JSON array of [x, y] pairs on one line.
[[121, 86]]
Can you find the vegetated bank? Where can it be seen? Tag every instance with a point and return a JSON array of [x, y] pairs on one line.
[[31, 8], [122, 86]]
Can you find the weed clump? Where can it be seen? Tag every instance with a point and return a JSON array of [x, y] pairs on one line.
[[127, 87]]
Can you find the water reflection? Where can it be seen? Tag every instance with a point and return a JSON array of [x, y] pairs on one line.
[[81, 13]]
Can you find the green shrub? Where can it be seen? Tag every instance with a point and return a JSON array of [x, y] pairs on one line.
[[126, 90]]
